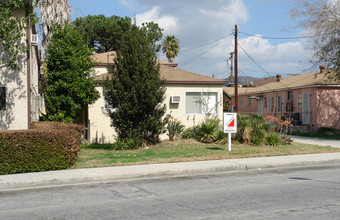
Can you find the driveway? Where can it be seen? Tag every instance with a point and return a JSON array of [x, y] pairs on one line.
[[317, 141]]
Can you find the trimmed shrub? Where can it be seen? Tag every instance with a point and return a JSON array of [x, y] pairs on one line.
[[45, 146], [72, 133]]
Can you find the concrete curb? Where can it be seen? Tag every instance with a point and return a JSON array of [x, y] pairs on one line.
[[113, 174]]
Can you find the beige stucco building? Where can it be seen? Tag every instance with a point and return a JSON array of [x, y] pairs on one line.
[[20, 100], [188, 97]]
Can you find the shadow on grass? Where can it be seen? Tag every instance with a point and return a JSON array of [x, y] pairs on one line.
[[215, 148], [98, 146]]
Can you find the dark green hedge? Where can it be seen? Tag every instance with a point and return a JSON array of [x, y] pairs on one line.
[[46, 146]]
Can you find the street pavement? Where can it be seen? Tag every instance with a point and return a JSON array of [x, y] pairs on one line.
[[317, 141]]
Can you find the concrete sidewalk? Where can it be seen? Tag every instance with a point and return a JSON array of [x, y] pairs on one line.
[[112, 174], [316, 141]]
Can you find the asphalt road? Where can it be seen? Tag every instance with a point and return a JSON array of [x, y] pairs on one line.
[[304, 194]]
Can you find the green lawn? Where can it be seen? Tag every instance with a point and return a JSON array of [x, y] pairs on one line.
[[100, 155]]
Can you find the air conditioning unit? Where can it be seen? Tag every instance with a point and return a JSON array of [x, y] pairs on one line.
[[34, 39], [175, 99]]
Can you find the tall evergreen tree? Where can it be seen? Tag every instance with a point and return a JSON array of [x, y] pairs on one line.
[[134, 89], [70, 83]]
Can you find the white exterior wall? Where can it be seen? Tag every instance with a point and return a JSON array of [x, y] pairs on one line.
[[15, 116], [178, 111], [99, 121]]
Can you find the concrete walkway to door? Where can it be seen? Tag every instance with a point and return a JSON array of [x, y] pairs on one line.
[[316, 141]]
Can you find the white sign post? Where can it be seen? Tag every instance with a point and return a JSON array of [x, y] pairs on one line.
[[230, 126]]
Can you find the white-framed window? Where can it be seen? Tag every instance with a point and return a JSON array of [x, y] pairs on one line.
[[279, 103], [271, 104], [201, 102], [299, 101], [240, 100], [2, 98], [249, 101]]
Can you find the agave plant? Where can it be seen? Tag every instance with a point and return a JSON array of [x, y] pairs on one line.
[[208, 130], [243, 128]]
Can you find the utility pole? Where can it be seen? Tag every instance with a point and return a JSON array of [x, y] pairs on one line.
[[236, 72]]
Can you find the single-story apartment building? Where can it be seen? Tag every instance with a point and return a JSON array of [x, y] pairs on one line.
[[307, 99], [183, 90]]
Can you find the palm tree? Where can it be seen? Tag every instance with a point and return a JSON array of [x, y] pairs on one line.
[[170, 47]]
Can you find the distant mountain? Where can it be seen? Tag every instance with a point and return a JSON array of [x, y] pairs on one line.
[[244, 79]]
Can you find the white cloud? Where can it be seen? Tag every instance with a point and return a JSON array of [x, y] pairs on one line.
[[166, 22], [127, 3], [197, 22]]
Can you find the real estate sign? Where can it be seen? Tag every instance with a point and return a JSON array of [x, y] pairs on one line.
[[230, 122]]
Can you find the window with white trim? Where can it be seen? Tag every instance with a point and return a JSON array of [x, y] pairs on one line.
[[201, 103], [299, 101], [279, 103], [271, 104], [2, 98], [249, 101]]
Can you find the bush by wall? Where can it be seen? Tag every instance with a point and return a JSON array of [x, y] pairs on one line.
[[45, 146]]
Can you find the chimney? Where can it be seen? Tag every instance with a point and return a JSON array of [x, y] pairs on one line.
[[278, 77], [322, 68]]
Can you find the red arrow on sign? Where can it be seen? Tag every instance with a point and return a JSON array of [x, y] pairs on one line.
[[232, 123]]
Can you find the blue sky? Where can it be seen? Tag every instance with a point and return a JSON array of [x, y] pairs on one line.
[[197, 22]]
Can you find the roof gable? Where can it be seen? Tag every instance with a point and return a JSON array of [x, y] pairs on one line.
[[297, 81], [168, 71]]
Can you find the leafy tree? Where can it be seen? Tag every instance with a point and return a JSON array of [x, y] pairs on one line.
[[102, 33], [321, 18], [170, 47], [70, 85], [12, 30], [134, 89]]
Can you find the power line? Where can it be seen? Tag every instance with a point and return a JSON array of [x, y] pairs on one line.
[[282, 38], [252, 59], [201, 54], [193, 48]]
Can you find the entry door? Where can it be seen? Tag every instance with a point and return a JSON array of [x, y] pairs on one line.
[[305, 108]]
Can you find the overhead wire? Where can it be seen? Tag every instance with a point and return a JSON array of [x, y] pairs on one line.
[[205, 44], [281, 38], [189, 61], [252, 59]]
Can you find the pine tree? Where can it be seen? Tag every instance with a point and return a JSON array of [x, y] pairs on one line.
[[134, 89]]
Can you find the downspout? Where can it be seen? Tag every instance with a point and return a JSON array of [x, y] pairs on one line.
[[28, 40]]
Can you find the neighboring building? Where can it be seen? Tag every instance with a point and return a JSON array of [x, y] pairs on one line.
[[307, 99], [183, 91], [20, 100], [259, 82]]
